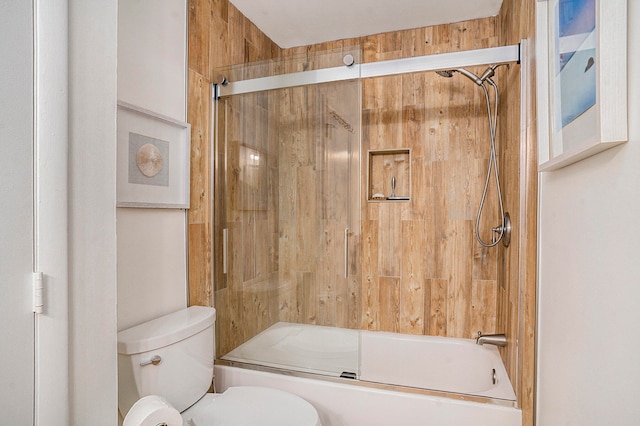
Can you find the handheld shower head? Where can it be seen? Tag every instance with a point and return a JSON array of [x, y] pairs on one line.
[[468, 74], [445, 73], [485, 76]]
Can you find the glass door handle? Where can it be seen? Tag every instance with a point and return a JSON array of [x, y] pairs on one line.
[[225, 250], [347, 233]]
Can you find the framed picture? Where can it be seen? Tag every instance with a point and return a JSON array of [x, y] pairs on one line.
[[582, 79], [152, 159]]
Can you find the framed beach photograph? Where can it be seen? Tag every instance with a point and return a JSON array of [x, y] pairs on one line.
[[152, 159], [582, 79]]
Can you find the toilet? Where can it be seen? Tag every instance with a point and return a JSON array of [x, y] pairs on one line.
[[165, 368]]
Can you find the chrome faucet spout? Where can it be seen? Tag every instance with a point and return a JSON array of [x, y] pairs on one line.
[[491, 339]]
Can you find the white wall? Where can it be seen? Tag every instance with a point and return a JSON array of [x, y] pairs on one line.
[[17, 212], [52, 243], [152, 70], [92, 245], [589, 282], [152, 262]]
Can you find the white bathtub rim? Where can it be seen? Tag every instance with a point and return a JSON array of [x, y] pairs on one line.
[[342, 403], [357, 383]]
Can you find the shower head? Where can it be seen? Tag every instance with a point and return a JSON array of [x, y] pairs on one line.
[[468, 74], [485, 76], [445, 73]]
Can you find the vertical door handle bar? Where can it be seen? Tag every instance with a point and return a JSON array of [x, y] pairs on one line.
[[346, 252], [225, 250]]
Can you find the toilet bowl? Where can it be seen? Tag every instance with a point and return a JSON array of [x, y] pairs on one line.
[[237, 406], [165, 367], [248, 405]]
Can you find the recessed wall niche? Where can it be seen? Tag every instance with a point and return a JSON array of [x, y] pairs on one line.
[[389, 175]]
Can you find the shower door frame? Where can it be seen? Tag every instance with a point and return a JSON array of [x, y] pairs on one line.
[[443, 61], [440, 61]]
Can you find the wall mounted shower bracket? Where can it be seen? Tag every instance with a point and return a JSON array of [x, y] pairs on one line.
[[505, 230]]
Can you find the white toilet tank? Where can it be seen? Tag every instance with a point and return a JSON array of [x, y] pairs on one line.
[[170, 356]]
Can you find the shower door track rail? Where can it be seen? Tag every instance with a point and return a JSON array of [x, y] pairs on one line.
[[435, 62]]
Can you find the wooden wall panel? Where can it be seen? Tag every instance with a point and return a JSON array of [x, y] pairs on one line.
[[200, 264], [484, 298], [200, 35], [437, 306], [370, 279], [389, 304], [199, 111], [413, 291]]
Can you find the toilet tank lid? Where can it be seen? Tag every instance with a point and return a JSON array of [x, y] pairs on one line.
[[165, 330]]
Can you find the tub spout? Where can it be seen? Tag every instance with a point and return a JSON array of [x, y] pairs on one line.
[[491, 339]]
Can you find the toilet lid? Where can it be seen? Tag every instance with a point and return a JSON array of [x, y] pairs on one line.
[[255, 406]]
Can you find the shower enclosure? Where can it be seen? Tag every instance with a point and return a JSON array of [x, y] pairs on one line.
[[293, 236]]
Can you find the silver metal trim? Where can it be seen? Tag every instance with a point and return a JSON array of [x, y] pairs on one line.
[[440, 61], [527, 81], [506, 237], [348, 60], [212, 192], [155, 360], [225, 250], [346, 252], [283, 81]]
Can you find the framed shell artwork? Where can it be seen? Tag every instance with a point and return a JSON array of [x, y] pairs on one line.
[[152, 160]]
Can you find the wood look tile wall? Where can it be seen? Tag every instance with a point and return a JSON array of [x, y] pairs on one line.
[[219, 36], [422, 272]]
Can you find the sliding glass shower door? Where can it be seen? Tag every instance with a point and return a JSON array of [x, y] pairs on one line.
[[287, 221]]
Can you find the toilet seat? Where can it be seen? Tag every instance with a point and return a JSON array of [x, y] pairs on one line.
[[251, 405]]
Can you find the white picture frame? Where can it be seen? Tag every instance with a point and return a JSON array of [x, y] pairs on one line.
[[153, 159], [588, 114]]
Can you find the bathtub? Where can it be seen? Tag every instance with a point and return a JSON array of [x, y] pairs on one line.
[[424, 362], [393, 379]]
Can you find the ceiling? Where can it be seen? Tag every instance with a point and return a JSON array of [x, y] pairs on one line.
[[291, 23]]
